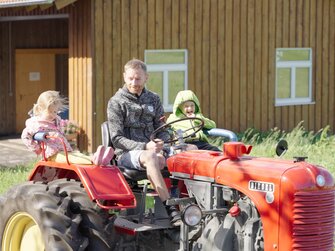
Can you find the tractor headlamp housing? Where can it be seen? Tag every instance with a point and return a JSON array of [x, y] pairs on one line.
[[320, 180], [191, 215]]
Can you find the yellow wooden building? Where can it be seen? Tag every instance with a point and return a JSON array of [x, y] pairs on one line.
[[252, 63]]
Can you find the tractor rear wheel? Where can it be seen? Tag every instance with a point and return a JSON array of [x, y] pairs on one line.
[[54, 216]]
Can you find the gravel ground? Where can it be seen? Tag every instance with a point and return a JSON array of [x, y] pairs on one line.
[[13, 152]]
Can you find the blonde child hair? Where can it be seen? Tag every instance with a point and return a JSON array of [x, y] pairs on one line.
[[49, 103], [49, 99]]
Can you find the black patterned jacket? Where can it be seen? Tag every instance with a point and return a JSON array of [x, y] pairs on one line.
[[132, 119]]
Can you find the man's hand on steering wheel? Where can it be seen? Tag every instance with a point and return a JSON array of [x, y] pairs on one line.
[[155, 144]]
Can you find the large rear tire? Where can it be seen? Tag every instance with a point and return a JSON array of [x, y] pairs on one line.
[[54, 216]]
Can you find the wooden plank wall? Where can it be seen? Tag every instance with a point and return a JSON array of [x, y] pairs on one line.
[[231, 46], [36, 34], [81, 92], [7, 91], [74, 33]]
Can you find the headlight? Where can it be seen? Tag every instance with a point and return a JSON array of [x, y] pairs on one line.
[[320, 180], [191, 215]]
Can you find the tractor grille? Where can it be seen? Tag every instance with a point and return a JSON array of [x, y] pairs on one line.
[[313, 225]]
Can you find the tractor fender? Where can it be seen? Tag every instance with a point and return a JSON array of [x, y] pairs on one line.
[[104, 184]]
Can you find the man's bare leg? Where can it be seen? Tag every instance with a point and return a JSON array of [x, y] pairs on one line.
[[152, 163], [150, 160]]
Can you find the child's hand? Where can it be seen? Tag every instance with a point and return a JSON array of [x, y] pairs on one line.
[[56, 134], [190, 115], [53, 134]]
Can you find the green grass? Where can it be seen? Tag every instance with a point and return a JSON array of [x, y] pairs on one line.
[[10, 176], [318, 147]]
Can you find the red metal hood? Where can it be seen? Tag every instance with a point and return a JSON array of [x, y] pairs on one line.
[[216, 166]]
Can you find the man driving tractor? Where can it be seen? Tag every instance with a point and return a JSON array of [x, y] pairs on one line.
[[134, 112]]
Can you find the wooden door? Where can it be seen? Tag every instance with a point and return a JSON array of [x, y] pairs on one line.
[[34, 73]]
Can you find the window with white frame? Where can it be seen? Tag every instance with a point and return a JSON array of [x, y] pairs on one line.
[[167, 74], [293, 76]]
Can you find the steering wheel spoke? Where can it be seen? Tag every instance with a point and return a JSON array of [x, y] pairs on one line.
[[179, 135]]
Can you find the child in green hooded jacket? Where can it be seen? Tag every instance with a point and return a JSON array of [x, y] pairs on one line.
[[185, 105]]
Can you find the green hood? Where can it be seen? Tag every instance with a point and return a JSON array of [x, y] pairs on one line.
[[182, 97]]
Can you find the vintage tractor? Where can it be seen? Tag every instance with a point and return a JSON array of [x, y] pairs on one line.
[[229, 201]]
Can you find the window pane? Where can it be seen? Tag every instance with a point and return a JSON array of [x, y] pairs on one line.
[[302, 80], [166, 57], [176, 84], [155, 83], [293, 55], [284, 83]]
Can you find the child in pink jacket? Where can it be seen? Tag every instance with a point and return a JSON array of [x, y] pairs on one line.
[[45, 119]]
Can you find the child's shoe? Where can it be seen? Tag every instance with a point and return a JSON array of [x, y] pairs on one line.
[[98, 155], [108, 156]]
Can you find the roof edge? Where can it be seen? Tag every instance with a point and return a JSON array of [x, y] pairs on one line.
[[18, 3]]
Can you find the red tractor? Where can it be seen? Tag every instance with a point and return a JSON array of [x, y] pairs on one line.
[[229, 201]]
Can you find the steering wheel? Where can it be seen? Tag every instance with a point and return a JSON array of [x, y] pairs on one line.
[[178, 135]]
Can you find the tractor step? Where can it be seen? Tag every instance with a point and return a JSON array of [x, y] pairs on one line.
[[130, 227]]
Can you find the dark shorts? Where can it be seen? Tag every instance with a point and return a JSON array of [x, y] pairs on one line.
[[131, 160]]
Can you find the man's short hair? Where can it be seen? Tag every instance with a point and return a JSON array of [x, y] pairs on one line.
[[135, 64]]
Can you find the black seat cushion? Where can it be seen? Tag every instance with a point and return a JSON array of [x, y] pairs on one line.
[[137, 175]]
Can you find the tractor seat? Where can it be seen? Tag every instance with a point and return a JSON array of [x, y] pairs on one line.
[[133, 174], [129, 174]]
